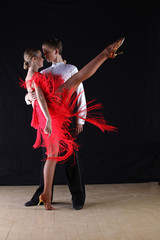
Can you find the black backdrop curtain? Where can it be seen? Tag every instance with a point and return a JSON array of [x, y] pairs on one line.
[[128, 87]]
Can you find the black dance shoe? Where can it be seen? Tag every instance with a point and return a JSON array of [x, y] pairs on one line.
[[77, 206], [77, 202], [32, 203]]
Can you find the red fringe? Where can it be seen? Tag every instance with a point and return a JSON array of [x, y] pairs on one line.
[[61, 107]]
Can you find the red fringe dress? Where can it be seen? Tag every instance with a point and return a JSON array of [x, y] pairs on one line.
[[61, 108]]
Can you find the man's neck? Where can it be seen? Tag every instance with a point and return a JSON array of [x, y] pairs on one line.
[[58, 59]]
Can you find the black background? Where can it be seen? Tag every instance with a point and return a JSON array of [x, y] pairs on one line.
[[128, 87]]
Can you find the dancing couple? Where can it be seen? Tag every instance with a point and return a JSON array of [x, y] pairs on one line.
[[53, 110]]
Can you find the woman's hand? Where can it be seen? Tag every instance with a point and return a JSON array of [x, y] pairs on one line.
[[48, 127]]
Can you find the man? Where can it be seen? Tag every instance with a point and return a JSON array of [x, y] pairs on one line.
[[52, 50]]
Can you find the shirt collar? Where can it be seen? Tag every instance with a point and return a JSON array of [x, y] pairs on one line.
[[57, 64]]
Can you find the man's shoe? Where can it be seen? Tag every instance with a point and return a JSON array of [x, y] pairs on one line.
[[77, 206], [31, 203], [78, 203]]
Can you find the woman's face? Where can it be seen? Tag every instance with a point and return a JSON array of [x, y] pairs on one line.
[[39, 60]]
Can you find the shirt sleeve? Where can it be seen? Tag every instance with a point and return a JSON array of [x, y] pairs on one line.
[[81, 102]]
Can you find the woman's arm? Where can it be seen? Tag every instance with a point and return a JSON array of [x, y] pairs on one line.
[[44, 107]]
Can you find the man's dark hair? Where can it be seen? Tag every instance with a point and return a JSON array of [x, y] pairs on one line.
[[54, 43]]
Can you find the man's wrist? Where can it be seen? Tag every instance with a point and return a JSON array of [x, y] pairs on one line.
[[28, 102], [81, 123]]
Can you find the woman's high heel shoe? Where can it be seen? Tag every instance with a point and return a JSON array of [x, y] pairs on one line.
[[112, 49], [43, 198]]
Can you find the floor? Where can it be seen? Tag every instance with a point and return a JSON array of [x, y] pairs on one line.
[[111, 212]]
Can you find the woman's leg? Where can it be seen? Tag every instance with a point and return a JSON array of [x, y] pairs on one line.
[[48, 173], [89, 69], [49, 170]]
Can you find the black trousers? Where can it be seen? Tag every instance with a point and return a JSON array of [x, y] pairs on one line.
[[74, 178]]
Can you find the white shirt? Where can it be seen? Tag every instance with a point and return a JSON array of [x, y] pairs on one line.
[[66, 71]]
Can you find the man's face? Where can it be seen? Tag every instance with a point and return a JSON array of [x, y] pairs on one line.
[[49, 53]]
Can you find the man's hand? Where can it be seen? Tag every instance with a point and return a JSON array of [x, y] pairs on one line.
[[30, 97], [79, 128]]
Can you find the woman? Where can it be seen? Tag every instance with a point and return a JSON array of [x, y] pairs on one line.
[[52, 111]]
